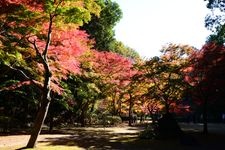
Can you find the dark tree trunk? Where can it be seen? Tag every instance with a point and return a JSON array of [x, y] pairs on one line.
[[167, 106], [119, 108], [141, 118], [51, 122], [153, 118], [83, 114], [130, 111], [114, 106], [205, 116], [82, 119]]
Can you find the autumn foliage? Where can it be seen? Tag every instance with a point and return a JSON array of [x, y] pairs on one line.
[[206, 72], [44, 50], [115, 68], [64, 51]]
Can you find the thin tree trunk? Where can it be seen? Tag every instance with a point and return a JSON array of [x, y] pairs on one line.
[[204, 113], [205, 116], [167, 106], [153, 118], [130, 111], [46, 98], [84, 114], [51, 122], [82, 119]]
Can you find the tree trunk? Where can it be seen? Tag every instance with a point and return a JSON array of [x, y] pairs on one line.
[[38, 124], [153, 118], [167, 106], [130, 112], [205, 116], [46, 98], [45, 102], [141, 118], [51, 122], [82, 119], [83, 114]]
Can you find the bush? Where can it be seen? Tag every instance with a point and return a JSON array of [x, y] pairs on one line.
[[93, 119], [111, 120], [104, 119]]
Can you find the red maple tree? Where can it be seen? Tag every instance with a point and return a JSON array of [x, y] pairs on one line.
[[206, 76]]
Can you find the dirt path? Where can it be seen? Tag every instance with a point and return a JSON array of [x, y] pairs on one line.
[[117, 138], [69, 136], [18, 141]]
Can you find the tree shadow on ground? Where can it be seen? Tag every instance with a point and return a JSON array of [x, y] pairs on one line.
[[126, 138], [106, 139], [93, 139]]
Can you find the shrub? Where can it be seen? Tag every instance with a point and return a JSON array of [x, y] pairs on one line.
[[113, 120]]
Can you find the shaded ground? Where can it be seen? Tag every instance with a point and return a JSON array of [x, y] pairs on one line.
[[118, 138]]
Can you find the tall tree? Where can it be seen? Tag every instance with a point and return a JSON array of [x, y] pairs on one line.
[[205, 74], [216, 18], [86, 93], [166, 74], [215, 21], [126, 51], [101, 28], [115, 72], [133, 95], [85, 88], [38, 26]]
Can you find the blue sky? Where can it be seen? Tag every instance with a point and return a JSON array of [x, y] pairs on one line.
[[147, 25]]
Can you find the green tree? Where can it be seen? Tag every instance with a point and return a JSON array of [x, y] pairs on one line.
[[215, 21], [85, 93], [85, 90], [125, 51], [101, 28]]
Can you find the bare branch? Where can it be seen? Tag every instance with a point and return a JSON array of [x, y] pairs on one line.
[[36, 49], [57, 6], [20, 71], [26, 77], [44, 54]]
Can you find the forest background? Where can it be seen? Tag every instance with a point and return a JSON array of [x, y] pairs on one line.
[[61, 64]]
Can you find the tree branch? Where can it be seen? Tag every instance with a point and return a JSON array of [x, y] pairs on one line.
[[26, 77], [44, 54]]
